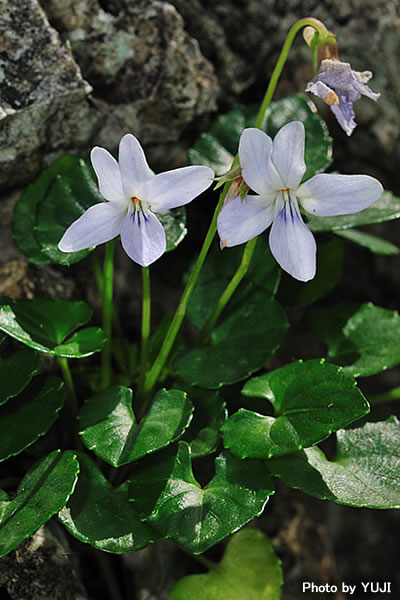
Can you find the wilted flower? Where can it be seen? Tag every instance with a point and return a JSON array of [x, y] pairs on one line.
[[274, 169], [134, 197], [339, 86]]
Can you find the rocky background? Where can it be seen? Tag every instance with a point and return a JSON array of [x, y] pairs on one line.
[[75, 73]]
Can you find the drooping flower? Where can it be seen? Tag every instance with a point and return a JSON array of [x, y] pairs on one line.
[[274, 170], [339, 86], [134, 195]]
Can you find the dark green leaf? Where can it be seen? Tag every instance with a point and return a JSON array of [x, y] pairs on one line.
[[240, 345], [42, 493], [174, 223], [311, 399], [82, 343], [363, 338], [16, 371], [365, 472], [109, 428], [386, 209], [202, 434], [248, 570], [102, 516], [67, 198], [25, 418], [25, 211], [217, 147], [330, 259], [44, 324], [373, 243], [168, 496]]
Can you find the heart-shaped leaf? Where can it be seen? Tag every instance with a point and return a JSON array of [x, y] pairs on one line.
[[42, 493], [240, 345], [44, 324], [168, 497], [109, 428], [102, 516], [249, 569], [385, 209], [364, 473], [16, 371], [25, 418], [362, 337], [311, 400]]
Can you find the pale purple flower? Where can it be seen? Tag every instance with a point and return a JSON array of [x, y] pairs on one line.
[[274, 169], [339, 86], [134, 195]]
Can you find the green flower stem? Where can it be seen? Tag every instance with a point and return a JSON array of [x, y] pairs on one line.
[[323, 32], [146, 315], [393, 394], [69, 383], [116, 323], [105, 379], [250, 246], [229, 290], [176, 323]]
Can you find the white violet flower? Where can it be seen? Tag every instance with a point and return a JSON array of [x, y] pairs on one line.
[[274, 170], [134, 195]]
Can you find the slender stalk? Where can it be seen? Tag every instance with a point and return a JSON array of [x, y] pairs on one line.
[[116, 323], [173, 330], [322, 30], [250, 246], [146, 315], [69, 383], [393, 394], [229, 290], [105, 379]]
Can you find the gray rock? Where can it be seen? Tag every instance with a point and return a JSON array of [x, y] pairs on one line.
[[148, 74], [43, 106]]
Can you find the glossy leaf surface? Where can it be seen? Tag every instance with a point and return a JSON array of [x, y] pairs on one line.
[[311, 399], [16, 371], [364, 473], [44, 324], [102, 516], [168, 496], [109, 427], [31, 414], [42, 493], [363, 338], [240, 345]]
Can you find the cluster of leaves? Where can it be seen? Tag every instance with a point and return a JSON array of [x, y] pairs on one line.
[[272, 429]]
